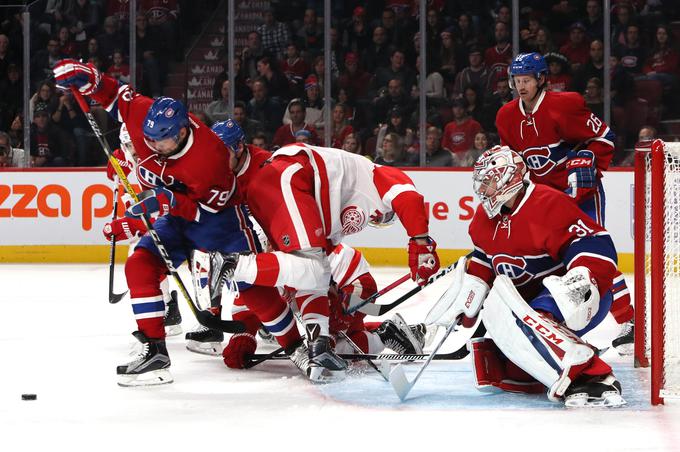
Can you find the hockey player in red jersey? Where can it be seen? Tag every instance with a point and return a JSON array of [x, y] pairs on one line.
[[550, 268], [566, 147], [307, 198], [185, 170]]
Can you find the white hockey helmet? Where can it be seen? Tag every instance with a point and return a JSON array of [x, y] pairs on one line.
[[126, 143], [498, 174]]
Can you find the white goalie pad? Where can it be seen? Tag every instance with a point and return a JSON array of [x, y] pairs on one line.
[[576, 295], [465, 296], [538, 345], [200, 272]]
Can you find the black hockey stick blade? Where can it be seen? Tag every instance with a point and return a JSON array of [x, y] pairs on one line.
[[116, 297], [208, 320], [254, 360]]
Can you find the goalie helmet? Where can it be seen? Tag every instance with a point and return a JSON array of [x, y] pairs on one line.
[[497, 176]]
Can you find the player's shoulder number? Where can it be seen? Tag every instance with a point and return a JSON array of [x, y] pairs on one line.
[[594, 123], [580, 229]]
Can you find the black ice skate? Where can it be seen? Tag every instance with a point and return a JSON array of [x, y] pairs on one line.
[[172, 318], [324, 365], [299, 354], [594, 392], [396, 335], [625, 341], [222, 266], [150, 367], [205, 341]]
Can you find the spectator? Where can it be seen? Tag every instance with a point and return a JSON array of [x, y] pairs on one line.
[[111, 40], [251, 54], [479, 145], [594, 97], [392, 151], [593, 68], [11, 96], [303, 136], [149, 58], [357, 36], [394, 97], [218, 110], [352, 145], [622, 84], [528, 34], [53, 17], [337, 53], [119, 69], [249, 126], [474, 101], [44, 60], [6, 56], [241, 89], [120, 9], [467, 34], [388, 21], [624, 16], [48, 146], [632, 55], [664, 61], [396, 124], [10, 157], [377, 54], [92, 50], [593, 21], [646, 134], [161, 16], [275, 35], [459, 134], [396, 70], [501, 96], [309, 36], [313, 103], [475, 74], [544, 42], [577, 48], [558, 72], [341, 127], [295, 69], [16, 131], [319, 70], [260, 140], [286, 133], [66, 45], [71, 120], [45, 99], [498, 57], [203, 117], [435, 155], [434, 84], [83, 17], [277, 84], [264, 109], [433, 30], [354, 78], [451, 56]]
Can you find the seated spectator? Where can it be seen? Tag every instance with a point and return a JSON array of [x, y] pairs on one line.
[[44, 60], [303, 136], [577, 48], [251, 54], [468, 159], [459, 134], [67, 46], [341, 127], [527, 34], [277, 84], [377, 54], [558, 72], [664, 61], [544, 42], [392, 151], [11, 96], [6, 56], [434, 84], [314, 105], [162, 21], [241, 89], [91, 51], [354, 78], [71, 120], [646, 134], [218, 110], [45, 98], [624, 17], [593, 68], [593, 21], [632, 54], [396, 124], [149, 57], [16, 131], [10, 157], [275, 35], [295, 69], [319, 71], [263, 108], [594, 97], [474, 101], [501, 96], [83, 17], [396, 70], [48, 145], [498, 57], [394, 97], [357, 34], [622, 83], [475, 74], [119, 69], [249, 126], [434, 27], [435, 155], [467, 33], [260, 140], [203, 117], [352, 145], [309, 36], [286, 133]]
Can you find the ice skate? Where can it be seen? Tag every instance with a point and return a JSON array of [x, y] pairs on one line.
[[150, 367], [172, 318], [222, 266], [205, 341], [595, 392], [266, 336], [625, 341], [325, 365], [396, 335], [300, 356]]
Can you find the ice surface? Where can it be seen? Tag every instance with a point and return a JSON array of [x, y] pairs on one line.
[[61, 339]]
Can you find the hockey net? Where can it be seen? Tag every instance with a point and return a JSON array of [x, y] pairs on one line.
[[657, 266]]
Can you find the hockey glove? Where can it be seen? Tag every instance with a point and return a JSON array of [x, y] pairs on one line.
[[124, 163], [582, 173], [238, 348], [339, 300], [85, 77], [124, 229], [158, 199], [422, 259]]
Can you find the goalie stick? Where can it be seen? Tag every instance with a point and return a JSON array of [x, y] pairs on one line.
[[205, 318], [114, 297]]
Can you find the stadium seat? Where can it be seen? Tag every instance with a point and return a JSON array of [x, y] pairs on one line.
[[637, 110]]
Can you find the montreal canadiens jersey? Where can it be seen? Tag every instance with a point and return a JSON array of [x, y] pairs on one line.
[[546, 234], [199, 174], [254, 159], [351, 191], [559, 123]]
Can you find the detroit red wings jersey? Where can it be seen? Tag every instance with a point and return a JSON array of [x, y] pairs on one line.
[[546, 234], [351, 191], [559, 123], [199, 174], [347, 265]]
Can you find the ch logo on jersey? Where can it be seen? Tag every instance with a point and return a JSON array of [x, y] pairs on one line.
[[148, 177], [512, 267], [538, 160]]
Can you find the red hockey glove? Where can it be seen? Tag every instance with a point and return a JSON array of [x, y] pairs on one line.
[[339, 301], [239, 346], [422, 259], [83, 76], [124, 229], [124, 163], [582, 173], [158, 199]]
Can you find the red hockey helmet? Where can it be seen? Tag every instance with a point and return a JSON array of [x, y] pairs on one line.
[[497, 176]]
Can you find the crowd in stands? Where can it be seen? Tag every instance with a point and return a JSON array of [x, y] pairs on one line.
[[375, 70]]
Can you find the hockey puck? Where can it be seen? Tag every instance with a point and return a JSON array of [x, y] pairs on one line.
[[29, 396]]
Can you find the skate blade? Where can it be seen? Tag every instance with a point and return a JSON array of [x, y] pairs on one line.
[[608, 400], [205, 348], [626, 349], [322, 375], [173, 330], [153, 378]]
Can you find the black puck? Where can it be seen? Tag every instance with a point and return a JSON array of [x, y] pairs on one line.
[[29, 396]]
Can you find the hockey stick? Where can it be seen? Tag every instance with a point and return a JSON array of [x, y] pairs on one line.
[[114, 297], [376, 295], [255, 359], [398, 378], [205, 318], [381, 370]]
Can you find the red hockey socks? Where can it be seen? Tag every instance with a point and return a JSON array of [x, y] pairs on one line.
[[143, 271]]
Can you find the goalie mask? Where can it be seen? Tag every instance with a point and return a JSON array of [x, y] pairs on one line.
[[497, 176]]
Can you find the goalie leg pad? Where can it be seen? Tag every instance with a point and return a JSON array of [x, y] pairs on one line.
[[542, 348], [545, 302], [446, 300], [493, 371]]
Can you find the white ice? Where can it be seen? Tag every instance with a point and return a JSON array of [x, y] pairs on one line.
[[61, 339]]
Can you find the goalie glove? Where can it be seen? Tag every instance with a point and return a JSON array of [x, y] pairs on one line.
[[581, 173], [577, 296]]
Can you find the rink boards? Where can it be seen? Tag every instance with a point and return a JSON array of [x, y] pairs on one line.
[[58, 215]]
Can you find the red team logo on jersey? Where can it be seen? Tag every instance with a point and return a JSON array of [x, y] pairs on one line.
[[512, 267], [352, 219], [538, 160]]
